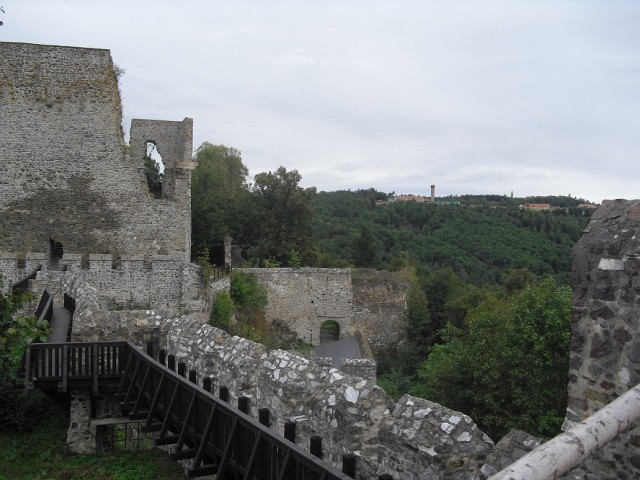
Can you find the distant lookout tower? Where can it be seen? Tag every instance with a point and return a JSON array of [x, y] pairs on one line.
[[433, 193]]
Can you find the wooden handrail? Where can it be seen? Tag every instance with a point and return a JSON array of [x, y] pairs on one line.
[[22, 285], [44, 312]]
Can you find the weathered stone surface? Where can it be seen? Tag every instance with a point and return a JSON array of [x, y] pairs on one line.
[[73, 181], [379, 308], [412, 439], [80, 438], [510, 448], [605, 331], [367, 304], [304, 298]]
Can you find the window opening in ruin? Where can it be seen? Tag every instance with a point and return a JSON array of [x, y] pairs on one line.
[[55, 250], [329, 332], [153, 169]]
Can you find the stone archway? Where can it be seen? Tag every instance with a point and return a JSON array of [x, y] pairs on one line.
[[329, 332]]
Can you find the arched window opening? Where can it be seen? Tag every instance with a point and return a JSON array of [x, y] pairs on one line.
[[153, 169], [329, 332]]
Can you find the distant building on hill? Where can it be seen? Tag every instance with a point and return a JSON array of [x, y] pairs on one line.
[[406, 198], [536, 206]]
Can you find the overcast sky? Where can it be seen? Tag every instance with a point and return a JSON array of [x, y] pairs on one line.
[[484, 96]]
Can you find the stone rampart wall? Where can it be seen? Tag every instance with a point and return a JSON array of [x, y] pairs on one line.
[[122, 283], [92, 323], [379, 308], [412, 439], [15, 267], [304, 298]]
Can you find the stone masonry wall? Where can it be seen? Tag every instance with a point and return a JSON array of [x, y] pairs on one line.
[[379, 308], [304, 298], [413, 439], [121, 283], [66, 171], [605, 345]]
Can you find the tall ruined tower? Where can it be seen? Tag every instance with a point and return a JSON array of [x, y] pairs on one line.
[[67, 178]]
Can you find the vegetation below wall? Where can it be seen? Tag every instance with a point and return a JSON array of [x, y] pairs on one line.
[[241, 311], [41, 453]]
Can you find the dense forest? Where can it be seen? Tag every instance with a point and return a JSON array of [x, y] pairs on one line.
[[480, 239]]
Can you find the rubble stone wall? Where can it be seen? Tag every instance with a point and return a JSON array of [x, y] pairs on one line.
[[304, 298], [379, 308], [605, 345], [412, 439], [121, 283]]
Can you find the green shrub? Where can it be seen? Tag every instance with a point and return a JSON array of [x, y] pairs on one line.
[[246, 292], [222, 311]]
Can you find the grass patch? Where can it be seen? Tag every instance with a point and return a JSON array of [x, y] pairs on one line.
[[41, 453]]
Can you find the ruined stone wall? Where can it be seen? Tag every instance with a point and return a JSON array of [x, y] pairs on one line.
[[66, 171], [605, 345], [304, 298], [379, 308], [413, 439], [92, 323], [14, 267], [121, 283]]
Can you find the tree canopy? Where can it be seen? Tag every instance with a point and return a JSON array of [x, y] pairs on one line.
[[218, 195], [507, 366], [283, 213], [270, 219]]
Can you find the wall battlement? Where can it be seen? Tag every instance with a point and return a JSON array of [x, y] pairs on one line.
[[123, 282]]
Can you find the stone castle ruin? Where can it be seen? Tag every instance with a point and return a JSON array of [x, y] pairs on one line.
[[74, 205], [73, 195]]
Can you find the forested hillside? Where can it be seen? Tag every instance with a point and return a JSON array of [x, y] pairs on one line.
[[480, 240]]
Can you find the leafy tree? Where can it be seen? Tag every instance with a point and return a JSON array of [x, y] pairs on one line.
[[282, 211], [449, 301], [294, 259], [218, 196], [478, 240], [154, 176], [247, 294], [515, 280], [395, 382], [418, 317], [507, 368], [16, 332]]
